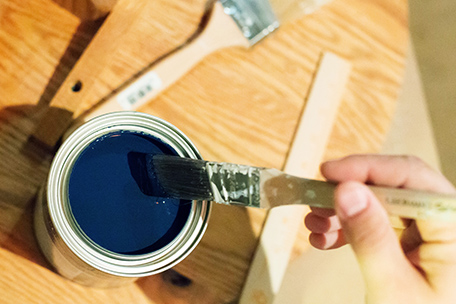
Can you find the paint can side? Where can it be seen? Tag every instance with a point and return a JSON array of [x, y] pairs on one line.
[[63, 260], [69, 251]]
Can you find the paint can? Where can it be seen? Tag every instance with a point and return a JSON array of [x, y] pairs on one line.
[[62, 237]]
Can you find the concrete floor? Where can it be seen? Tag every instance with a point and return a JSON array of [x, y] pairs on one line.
[[423, 125], [433, 32], [411, 130]]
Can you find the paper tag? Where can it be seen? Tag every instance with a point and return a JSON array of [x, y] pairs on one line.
[[139, 91]]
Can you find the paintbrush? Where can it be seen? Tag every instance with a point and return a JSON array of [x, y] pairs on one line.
[[228, 23], [234, 184]]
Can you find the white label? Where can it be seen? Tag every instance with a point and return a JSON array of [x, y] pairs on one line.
[[139, 91]]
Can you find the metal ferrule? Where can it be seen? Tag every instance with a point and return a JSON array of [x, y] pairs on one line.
[[255, 19], [234, 184]]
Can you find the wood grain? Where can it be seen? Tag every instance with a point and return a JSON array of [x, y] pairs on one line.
[[280, 231], [219, 32], [79, 81], [87, 9], [236, 105]]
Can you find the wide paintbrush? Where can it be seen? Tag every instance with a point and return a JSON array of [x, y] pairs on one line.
[[249, 186], [229, 23]]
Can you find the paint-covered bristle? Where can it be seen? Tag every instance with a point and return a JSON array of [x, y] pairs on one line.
[[183, 178]]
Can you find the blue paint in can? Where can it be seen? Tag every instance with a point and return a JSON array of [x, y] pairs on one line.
[[107, 202]]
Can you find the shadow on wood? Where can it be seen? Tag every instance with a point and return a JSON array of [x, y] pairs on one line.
[[81, 38], [23, 170]]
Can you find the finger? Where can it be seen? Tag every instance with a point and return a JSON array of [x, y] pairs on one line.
[[323, 212], [330, 240], [432, 231], [366, 228], [437, 254], [437, 262], [386, 170], [318, 224]]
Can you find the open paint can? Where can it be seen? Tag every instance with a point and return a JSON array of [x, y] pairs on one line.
[[92, 221]]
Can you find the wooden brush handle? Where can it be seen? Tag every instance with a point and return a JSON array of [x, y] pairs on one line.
[[406, 203], [415, 204], [71, 94], [220, 32]]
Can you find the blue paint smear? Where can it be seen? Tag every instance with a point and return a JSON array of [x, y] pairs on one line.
[[108, 204]]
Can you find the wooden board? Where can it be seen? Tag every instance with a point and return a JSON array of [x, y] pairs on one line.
[[76, 86], [237, 105], [280, 231]]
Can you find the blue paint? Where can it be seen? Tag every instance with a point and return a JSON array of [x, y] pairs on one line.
[[108, 204]]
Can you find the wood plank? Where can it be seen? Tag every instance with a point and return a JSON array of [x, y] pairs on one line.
[[236, 105], [78, 83], [220, 32], [306, 153]]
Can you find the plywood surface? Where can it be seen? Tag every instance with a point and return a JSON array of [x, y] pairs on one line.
[[237, 105]]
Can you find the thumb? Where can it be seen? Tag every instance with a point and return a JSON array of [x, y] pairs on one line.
[[367, 229]]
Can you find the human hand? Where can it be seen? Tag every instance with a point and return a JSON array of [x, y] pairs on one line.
[[420, 267]]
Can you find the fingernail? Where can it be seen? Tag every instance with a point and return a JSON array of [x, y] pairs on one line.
[[352, 200]]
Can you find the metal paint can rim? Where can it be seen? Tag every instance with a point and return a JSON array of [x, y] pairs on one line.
[[65, 224]]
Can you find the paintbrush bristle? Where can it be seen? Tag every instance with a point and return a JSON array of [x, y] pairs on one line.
[[180, 177]]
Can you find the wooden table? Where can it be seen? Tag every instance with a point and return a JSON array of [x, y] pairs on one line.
[[237, 105]]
